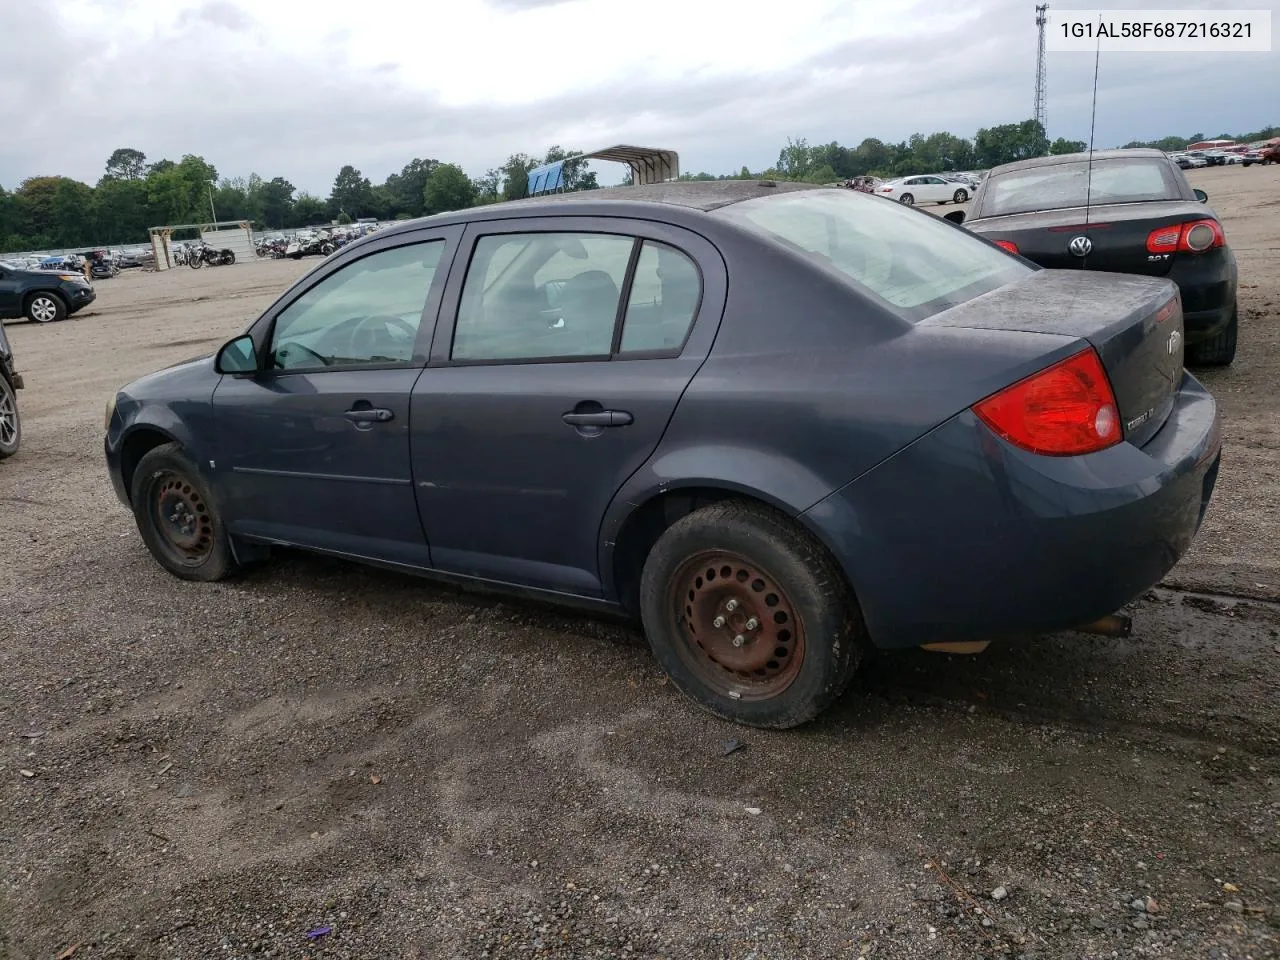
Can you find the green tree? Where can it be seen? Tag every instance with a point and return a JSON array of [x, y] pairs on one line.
[[126, 163], [121, 211], [405, 189], [308, 210], [795, 160], [277, 202], [352, 192], [515, 175], [1010, 142], [1061, 146], [448, 188]]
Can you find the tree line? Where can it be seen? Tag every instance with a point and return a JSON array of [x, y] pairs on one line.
[[54, 212]]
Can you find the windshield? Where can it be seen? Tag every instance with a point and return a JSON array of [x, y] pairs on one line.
[[1063, 185], [911, 262]]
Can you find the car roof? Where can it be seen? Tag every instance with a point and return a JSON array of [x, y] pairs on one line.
[[697, 195], [1115, 154]]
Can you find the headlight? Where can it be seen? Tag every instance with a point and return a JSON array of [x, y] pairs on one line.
[[111, 409], [73, 277]]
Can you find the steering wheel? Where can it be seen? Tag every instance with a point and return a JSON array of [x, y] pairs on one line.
[[292, 345], [364, 327]]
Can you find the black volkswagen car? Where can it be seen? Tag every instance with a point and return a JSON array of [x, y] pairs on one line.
[[778, 424], [1126, 211]]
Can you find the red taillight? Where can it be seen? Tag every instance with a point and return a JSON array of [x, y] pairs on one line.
[[1064, 410], [886, 189], [1197, 236], [1006, 245]]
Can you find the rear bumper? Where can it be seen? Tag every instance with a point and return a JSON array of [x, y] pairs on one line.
[[963, 537], [1207, 284]]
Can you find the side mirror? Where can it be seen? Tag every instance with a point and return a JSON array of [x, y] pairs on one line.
[[955, 216], [1201, 195], [237, 356]]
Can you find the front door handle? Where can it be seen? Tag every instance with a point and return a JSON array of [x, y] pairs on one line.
[[599, 418], [370, 415]]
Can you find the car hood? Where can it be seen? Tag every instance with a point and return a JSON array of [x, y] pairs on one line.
[[185, 378]]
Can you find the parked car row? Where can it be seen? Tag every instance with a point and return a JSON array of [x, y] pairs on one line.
[[779, 424]]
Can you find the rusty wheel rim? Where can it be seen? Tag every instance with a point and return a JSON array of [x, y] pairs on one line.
[[182, 518], [739, 631]]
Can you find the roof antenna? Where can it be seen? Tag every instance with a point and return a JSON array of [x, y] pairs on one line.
[[1093, 122]]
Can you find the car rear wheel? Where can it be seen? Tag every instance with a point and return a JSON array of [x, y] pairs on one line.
[[960, 196], [1221, 350], [749, 616], [907, 198], [10, 424], [46, 307], [177, 517]]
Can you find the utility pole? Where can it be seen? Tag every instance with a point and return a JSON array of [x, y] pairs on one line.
[[1040, 68], [212, 212]]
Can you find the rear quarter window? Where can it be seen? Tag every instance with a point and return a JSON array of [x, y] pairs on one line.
[[910, 262]]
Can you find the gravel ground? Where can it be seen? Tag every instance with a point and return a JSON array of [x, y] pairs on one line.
[[221, 770]]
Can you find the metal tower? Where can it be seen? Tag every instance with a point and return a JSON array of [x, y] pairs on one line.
[[1040, 67]]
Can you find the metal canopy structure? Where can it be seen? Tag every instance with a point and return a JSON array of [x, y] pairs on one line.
[[647, 164]]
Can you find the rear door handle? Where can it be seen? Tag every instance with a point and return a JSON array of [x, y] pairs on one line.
[[370, 415], [599, 418]]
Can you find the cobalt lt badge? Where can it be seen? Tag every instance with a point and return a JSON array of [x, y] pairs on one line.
[[1080, 245]]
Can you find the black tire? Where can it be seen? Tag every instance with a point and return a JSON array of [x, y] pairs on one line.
[[960, 196], [262, 251], [908, 199], [196, 262], [10, 421], [809, 637], [44, 306], [178, 518], [228, 257], [1221, 350]]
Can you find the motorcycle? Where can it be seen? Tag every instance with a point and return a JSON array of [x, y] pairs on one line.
[[271, 248], [303, 245], [204, 253]]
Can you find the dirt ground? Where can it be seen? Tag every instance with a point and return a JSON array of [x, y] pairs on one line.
[[202, 771]]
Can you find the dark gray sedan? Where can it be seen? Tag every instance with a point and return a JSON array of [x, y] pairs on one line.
[[778, 424]]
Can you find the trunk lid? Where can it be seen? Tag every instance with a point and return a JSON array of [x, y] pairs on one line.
[[1117, 235], [1134, 323]]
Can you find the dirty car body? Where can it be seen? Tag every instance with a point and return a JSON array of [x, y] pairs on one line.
[[570, 382]]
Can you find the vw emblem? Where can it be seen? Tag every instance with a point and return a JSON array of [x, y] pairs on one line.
[[1175, 338], [1080, 245]]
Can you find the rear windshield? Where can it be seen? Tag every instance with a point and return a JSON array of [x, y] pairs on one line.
[[1065, 184], [911, 262]]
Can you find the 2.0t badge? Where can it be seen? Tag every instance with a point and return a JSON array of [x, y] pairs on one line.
[[1080, 245]]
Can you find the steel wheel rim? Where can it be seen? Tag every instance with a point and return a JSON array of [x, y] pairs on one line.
[[43, 309], [8, 416], [715, 597], [181, 518]]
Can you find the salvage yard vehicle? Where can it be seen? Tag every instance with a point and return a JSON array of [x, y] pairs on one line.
[[42, 296], [779, 424], [1129, 211], [10, 384], [929, 189]]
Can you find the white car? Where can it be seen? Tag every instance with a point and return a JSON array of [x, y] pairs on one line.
[[924, 189]]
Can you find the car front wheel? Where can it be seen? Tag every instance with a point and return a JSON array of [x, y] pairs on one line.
[[960, 196], [10, 424], [178, 518], [46, 308], [749, 616]]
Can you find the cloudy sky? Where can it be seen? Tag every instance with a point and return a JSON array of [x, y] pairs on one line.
[[297, 88]]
